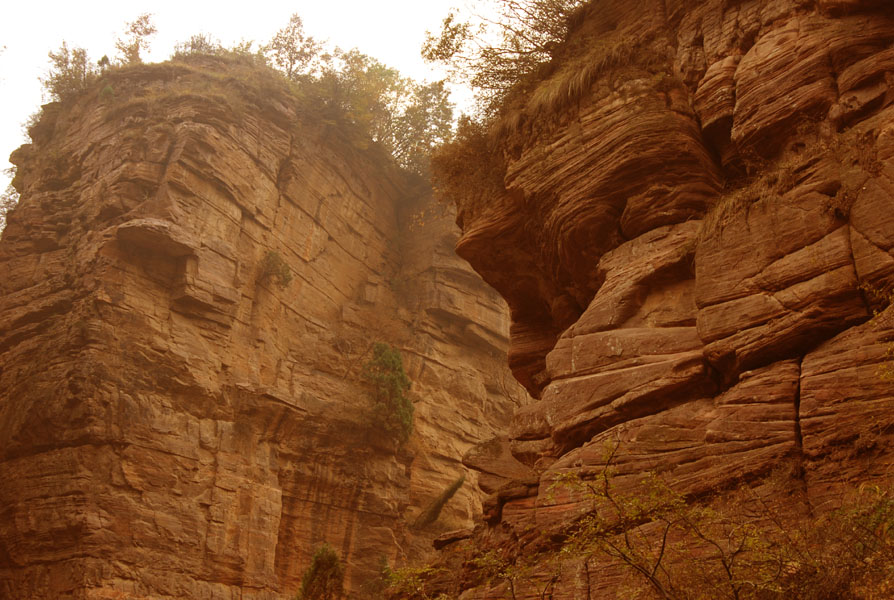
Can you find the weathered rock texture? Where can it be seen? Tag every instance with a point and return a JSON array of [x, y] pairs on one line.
[[176, 424], [693, 249]]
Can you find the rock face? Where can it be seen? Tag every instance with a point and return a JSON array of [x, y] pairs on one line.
[[176, 421], [694, 250]]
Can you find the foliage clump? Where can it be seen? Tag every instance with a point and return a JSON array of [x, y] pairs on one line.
[[198, 44], [273, 269], [503, 50], [754, 543], [291, 50], [349, 89], [324, 578], [405, 117], [136, 39], [468, 166], [745, 548], [71, 73], [411, 583], [392, 411]]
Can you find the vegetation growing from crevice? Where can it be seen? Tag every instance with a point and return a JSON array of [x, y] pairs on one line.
[[273, 269], [392, 410], [745, 547], [748, 545], [324, 578], [470, 166]]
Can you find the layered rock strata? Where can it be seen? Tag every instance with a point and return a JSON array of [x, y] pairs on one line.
[[176, 419], [698, 253]]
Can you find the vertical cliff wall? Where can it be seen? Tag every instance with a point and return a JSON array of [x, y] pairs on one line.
[[174, 422], [696, 239]]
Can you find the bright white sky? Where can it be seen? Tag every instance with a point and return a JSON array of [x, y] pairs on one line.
[[390, 30]]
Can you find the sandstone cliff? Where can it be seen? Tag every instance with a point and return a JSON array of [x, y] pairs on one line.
[[695, 234], [174, 423]]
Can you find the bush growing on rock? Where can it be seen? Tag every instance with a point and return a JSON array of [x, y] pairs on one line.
[[655, 542], [324, 578], [504, 50], [392, 411], [273, 269], [71, 73], [362, 98]]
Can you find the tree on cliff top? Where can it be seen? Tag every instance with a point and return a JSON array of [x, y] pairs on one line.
[[71, 72], [406, 117], [136, 38], [292, 51], [503, 48]]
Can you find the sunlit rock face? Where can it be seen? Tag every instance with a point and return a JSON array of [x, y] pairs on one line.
[[176, 422], [698, 253]]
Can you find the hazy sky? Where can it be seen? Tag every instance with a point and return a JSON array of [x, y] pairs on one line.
[[390, 30]]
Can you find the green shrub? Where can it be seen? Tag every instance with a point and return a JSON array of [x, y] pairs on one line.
[[324, 578], [392, 411], [198, 44], [70, 74], [107, 94], [274, 269], [411, 583]]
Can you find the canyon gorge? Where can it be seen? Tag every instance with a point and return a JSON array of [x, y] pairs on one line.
[[682, 269]]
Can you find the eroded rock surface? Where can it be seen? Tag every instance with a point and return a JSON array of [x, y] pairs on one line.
[[175, 422], [697, 253]]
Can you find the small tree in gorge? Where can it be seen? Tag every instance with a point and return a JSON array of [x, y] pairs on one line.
[[324, 578], [392, 410]]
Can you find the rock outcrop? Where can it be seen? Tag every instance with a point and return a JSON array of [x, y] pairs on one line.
[[698, 253], [177, 420]]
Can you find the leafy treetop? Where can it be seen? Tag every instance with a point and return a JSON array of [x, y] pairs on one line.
[[502, 50], [405, 117], [136, 38], [292, 51]]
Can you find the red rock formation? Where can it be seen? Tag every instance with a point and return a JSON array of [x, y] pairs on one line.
[[174, 423], [689, 249]]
